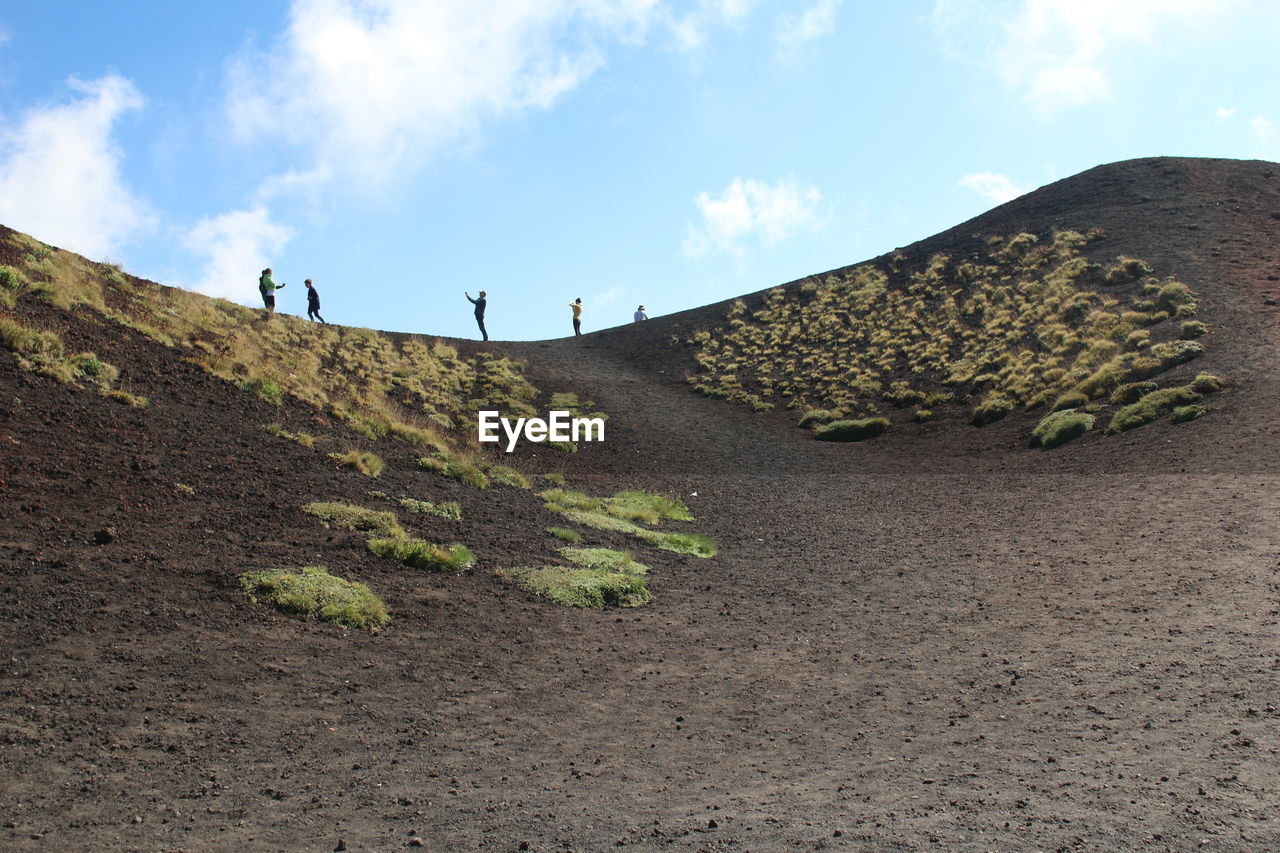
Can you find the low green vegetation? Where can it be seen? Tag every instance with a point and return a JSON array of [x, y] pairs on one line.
[[379, 385], [632, 512], [1060, 427], [599, 577], [357, 518], [451, 510], [365, 461], [421, 554], [264, 388], [1154, 405], [851, 430], [1182, 414], [1014, 323], [564, 534], [300, 437], [313, 591]]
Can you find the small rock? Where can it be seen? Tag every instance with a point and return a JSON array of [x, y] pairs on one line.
[[711, 824], [415, 842], [105, 536], [342, 845]]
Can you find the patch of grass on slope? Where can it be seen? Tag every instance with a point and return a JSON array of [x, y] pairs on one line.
[[1020, 322], [412, 389], [624, 510], [599, 577], [313, 591]]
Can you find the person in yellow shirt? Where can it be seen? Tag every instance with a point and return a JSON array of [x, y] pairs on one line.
[[576, 305]]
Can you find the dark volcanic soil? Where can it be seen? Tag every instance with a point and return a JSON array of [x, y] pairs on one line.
[[936, 639]]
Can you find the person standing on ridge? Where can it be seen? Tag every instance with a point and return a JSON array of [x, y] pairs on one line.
[[267, 287], [640, 315], [480, 305], [313, 304], [576, 305]]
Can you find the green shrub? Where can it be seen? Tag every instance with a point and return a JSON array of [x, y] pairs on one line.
[[638, 506], [1192, 329], [1131, 392], [1070, 400], [1173, 353], [604, 558], [923, 415], [1173, 295], [262, 387], [577, 587], [451, 510], [1060, 427], [1188, 413], [1206, 383], [816, 417], [1150, 407], [564, 534], [366, 462], [128, 399], [851, 430], [314, 592], [991, 410], [695, 544], [421, 554], [451, 465], [357, 518], [504, 476]]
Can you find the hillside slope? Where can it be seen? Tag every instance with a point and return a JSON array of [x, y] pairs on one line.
[[938, 637]]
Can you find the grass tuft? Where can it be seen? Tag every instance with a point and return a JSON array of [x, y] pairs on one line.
[[421, 554], [366, 462], [357, 518], [312, 591], [564, 534], [1060, 427], [851, 430]]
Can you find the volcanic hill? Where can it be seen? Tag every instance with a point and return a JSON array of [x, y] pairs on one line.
[[941, 635]]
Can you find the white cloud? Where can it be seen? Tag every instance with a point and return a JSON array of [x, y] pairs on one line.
[[60, 171], [751, 210], [1224, 113], [368, 88], [794, 31], [999, 188], [1060, 53], [236, 247], [689, 31]]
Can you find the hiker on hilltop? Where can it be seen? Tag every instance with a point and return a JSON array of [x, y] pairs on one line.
[[576, 305], [313, 303], [267, 287], [480, 305], [640, 316]]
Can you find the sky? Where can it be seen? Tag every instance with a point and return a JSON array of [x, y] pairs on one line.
[[401, 152]]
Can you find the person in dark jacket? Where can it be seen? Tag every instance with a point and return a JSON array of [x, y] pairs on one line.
[[480, 306], [313, 304], [267, 287]]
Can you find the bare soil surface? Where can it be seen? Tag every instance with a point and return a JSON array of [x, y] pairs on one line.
[[937, 639]]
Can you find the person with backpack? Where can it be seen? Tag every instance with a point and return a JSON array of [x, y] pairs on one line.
[[576, 305], [313, 303], [267, 287], [480, 306]]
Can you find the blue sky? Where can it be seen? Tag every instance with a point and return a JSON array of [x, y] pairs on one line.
[[400, 152]]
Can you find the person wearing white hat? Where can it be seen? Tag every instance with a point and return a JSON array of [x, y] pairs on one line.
[[640, 315]]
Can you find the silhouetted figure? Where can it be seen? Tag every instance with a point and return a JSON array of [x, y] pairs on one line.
[[480, 304], [313, 304], [576, 305], [640, 315], [267, 287]]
